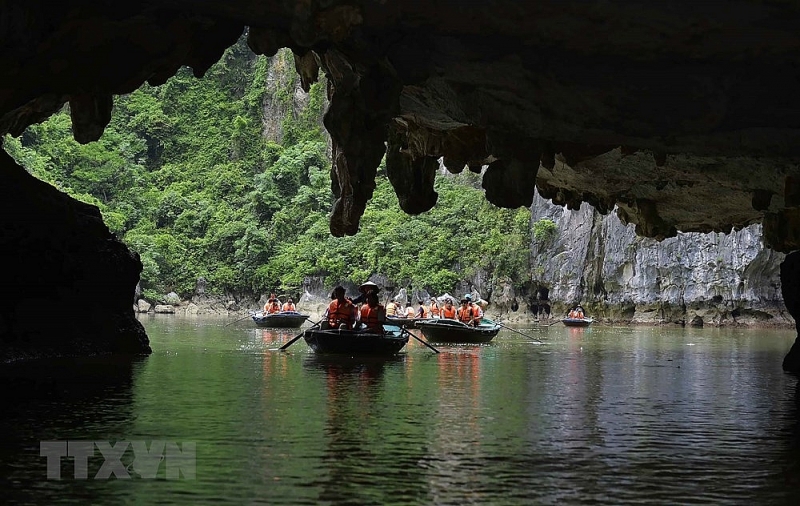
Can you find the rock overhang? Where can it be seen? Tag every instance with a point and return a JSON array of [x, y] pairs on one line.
[[683, 116]]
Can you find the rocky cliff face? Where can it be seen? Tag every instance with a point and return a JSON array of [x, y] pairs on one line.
[[692, 278]]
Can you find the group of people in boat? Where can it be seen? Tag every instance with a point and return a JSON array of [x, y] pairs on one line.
[[274, 305], [366, 311], [576, 313]]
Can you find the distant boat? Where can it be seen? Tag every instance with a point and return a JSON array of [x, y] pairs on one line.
[[577, 322], [282, 319], [445, 330], [356, 342]]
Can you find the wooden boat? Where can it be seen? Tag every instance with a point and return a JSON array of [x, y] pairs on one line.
[[443, 330], [283, 319], [401, 321], [356, 342], [577, 322]]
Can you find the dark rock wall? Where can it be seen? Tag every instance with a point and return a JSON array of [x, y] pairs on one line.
[[67, 284], [790, 284]]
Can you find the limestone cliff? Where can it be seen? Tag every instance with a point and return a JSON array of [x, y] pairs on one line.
[[692, 278]]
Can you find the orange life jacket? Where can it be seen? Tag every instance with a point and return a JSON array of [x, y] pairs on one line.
[[423, 312], [435, 311], [288, 307], [391, 309], [370, 317], [272, 307], [410, 312], [449, 313], [477, 310], [465, 314], [340, 313]]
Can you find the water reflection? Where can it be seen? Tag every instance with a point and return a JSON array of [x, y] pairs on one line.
[[594, 416], [88, 398], [356, 421]]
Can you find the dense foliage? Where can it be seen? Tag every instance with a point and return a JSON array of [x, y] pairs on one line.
[[186, 177]]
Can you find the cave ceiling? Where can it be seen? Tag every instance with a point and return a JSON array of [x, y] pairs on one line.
[[681, 115]]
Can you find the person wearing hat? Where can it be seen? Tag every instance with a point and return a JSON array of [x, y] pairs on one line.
[[341, 313], [373, 314], [365, 289], [476, 308]]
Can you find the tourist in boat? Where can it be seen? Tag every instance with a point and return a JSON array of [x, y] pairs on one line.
[[466, 314], [365, 289], [373, 314], [449, 310], [341, 313], [391, 308], [288, 305], [434, 308], [576, 313], [423, 311], [273, 305], [410, 310], [477, 309]]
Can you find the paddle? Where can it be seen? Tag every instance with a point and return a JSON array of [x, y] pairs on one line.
[[298, 336], [240, 319], [518, 332], [423, 342]]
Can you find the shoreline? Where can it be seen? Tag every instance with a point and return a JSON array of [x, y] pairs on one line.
[[316, 310]]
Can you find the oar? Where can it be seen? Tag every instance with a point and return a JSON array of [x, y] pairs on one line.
[[423, 342], [282, 348], [240, 319], [518, 332]]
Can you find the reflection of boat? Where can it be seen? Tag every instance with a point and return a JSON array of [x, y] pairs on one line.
[[444, 330], [577, 322], [356, 342], [283, 319], [347, 363]]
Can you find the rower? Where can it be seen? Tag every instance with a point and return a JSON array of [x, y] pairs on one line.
[[373, 314]]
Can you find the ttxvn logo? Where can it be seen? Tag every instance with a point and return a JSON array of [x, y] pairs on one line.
[[120, 459]]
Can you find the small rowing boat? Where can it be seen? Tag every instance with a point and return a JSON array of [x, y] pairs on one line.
[[443, 330], [283, 319], [577, 322], [356, 342]]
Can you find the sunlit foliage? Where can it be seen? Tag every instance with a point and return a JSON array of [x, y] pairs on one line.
[[185, 177]]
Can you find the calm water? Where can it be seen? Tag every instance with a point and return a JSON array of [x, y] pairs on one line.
[[603, 415]]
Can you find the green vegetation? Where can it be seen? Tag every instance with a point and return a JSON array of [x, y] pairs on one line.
[[544, 229], [185, 176]]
